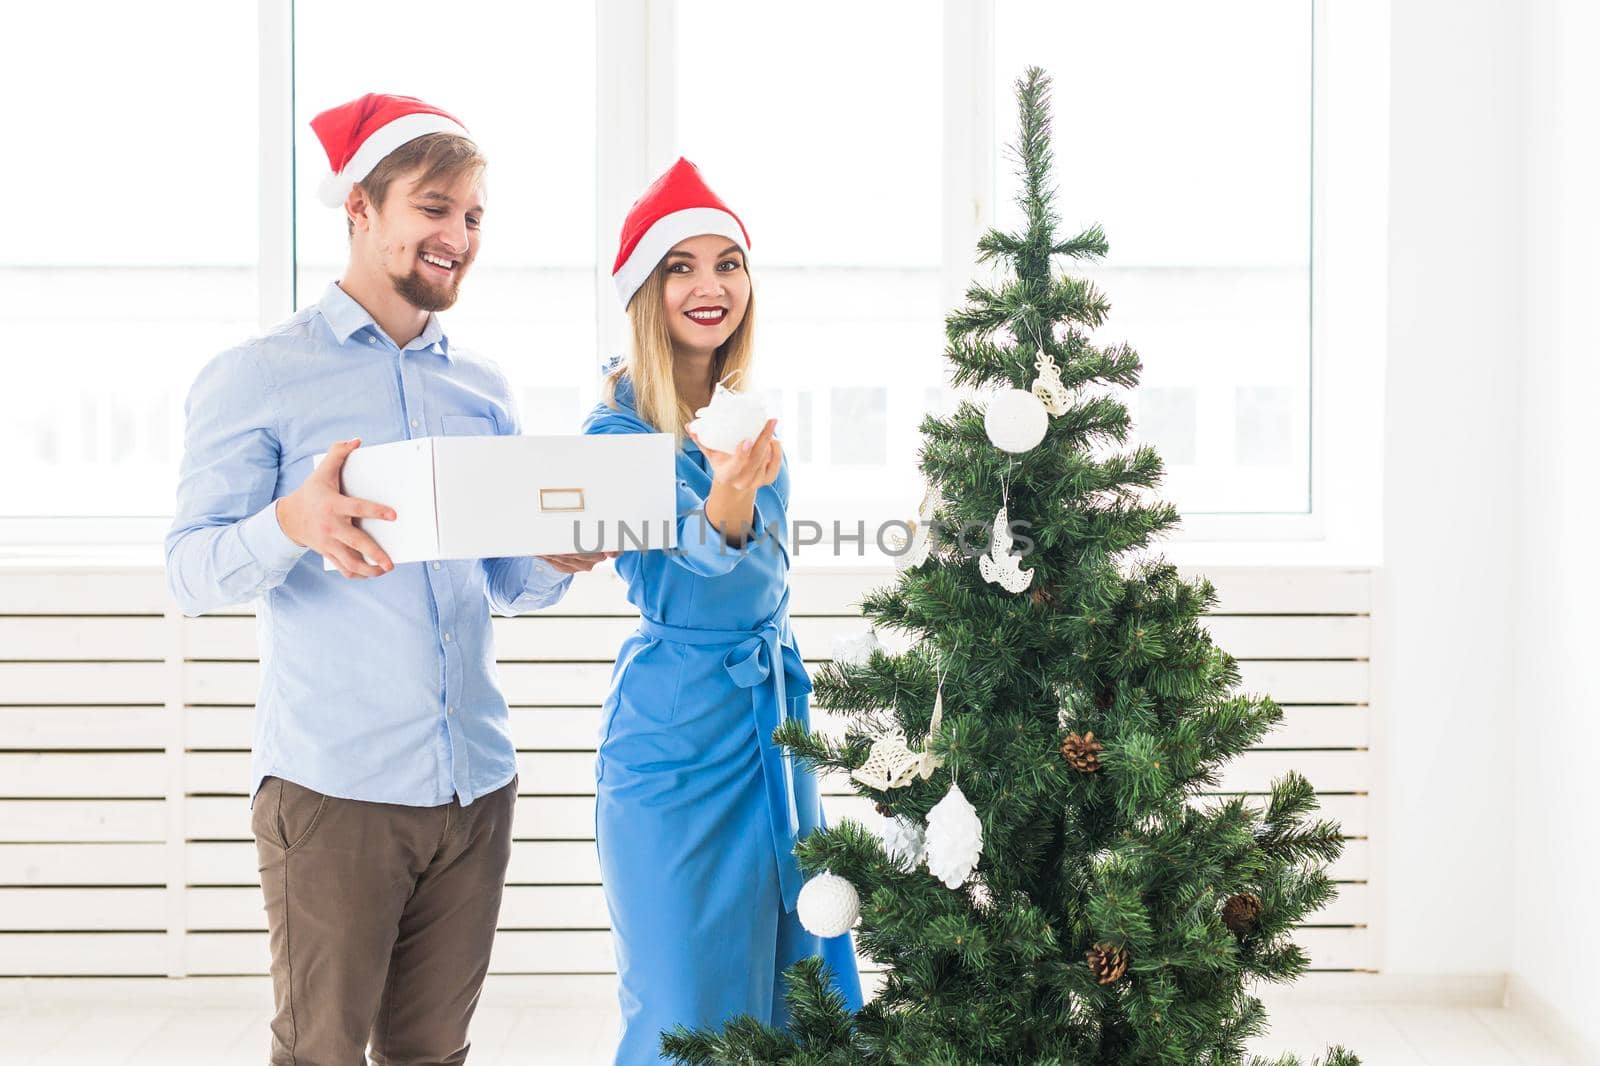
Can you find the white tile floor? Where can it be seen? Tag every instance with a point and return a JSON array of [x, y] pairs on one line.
[[223, 1022]]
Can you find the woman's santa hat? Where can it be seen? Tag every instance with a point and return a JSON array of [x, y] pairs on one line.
[[358, 135], [677, 205]]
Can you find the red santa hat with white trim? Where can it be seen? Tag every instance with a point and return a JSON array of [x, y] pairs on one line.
[[677, 205], [358, 135]]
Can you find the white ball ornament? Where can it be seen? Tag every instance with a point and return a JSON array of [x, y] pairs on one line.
[[828, 905], [731, 417], [1015, 420]]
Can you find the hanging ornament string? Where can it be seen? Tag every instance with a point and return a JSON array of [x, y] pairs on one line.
[[931, 762]]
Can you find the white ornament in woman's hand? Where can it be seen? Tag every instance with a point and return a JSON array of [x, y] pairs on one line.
[[729, 418]]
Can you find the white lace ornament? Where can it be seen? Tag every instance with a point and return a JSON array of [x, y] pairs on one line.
[[1048, 387], [891, 763], [731, 417], [1000, 566], [857, 650], [828, 905], [955, 838], [903, 841], [913, 552]]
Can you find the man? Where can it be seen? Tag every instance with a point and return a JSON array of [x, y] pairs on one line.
[[383, 767]]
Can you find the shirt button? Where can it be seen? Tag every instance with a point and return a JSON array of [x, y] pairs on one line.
[[414, 423], [436, 566], [371, 339], [447, 638], [450, 710]]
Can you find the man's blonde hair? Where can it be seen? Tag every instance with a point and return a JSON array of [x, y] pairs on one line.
[[649, 360], [442, 157]]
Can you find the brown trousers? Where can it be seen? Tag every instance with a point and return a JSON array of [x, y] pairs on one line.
[[381, 918]]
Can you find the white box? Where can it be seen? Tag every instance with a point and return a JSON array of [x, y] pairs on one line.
[[485, 497]]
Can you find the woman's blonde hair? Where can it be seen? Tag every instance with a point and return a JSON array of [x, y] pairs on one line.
[[649, 360]]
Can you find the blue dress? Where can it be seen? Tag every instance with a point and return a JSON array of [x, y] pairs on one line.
[[696, 810]]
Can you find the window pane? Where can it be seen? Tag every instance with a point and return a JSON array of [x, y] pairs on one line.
[[139, 265], [521, 79], [830, 151], [1185, 130]]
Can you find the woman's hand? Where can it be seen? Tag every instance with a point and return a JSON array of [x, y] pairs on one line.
[[755, 464], [735, 477]]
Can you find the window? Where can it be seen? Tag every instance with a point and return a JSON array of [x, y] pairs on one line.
[[831, 155], [1185, 130], [130, 249], [529, 302]]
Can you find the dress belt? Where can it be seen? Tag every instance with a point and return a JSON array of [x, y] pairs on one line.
[[760, 660]]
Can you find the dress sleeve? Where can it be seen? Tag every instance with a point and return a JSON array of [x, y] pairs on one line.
[[701, 548]]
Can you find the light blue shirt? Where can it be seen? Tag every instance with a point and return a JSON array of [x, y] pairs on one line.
[[379, 689]]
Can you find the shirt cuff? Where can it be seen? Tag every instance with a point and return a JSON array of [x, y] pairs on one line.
[[542, 586], [266, 541], [543, 577]]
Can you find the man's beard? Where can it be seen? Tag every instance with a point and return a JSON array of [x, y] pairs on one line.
[[424, 296]]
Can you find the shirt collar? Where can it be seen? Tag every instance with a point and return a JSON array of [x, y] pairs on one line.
[[346, 318]]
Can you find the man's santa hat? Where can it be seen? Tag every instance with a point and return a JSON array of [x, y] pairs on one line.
[[358, 135], [677, 205]]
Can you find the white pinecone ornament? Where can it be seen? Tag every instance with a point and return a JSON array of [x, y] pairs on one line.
[[955, 838], [828, 905], [903, 841]]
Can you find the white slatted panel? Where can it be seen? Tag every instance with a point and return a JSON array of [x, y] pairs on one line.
[[124, 733], [88, 717]]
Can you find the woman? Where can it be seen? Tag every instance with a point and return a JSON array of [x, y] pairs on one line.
[[696, 810]]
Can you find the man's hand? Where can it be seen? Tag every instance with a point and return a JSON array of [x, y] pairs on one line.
[[579, 562], [318, 516]]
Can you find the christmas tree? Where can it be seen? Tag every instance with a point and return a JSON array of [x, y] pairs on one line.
[[1053, 885]]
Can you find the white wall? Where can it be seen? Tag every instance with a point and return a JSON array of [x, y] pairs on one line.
[[1485, 609], [1449, 577], [1554, 720]]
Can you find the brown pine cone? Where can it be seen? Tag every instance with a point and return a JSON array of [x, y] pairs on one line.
[[883, 809], [1042, 596], [1083, 753], [1240, 912], [1107, 963]]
